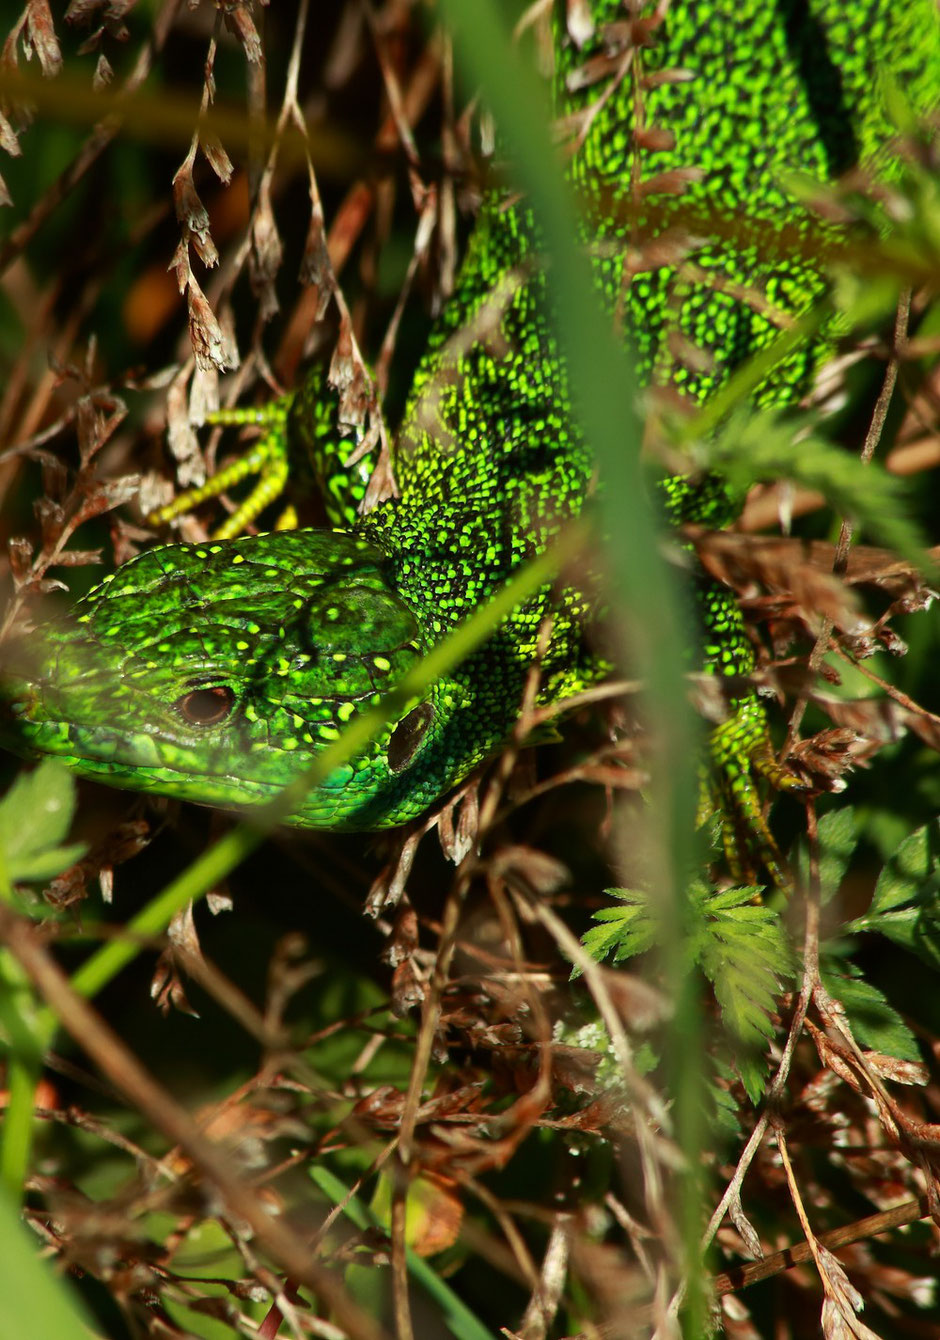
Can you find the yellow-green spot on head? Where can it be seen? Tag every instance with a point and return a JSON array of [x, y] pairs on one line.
[[148, 684]]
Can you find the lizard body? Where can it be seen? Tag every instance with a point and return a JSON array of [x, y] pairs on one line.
[[215, 672]]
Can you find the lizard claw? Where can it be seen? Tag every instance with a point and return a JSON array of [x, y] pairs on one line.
[[302, 443], [267, 461], [740, 752]]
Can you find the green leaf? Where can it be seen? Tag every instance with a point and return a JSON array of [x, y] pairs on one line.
[[623, 931], [740, 945], [744, 952], [901, 111], [35, 816], [911, 873], [454, 1313], [874, 1021], [753, 1068], [725, 1114], [36, 1300], [763, 446], [837, 842], [905, 906], [927, 935], [865, 300]]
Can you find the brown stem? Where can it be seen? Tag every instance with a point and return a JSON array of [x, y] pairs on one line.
[[872, 438], [126, 1073], [740, 1277]]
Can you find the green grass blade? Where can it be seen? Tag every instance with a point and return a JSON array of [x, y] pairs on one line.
[[604, 394], [36, 1302], [237, 844], [24, 1064], [457, 1317]]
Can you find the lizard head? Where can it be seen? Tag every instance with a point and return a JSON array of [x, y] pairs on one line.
[[216, 673]]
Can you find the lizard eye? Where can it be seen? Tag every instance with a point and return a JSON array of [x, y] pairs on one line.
[[407, 735], [206, 707]]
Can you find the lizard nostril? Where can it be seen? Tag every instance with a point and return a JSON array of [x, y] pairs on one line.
[[206, 707]]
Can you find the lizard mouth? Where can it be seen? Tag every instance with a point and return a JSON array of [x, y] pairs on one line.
[[40, 717], [55, 700], [205, 687]]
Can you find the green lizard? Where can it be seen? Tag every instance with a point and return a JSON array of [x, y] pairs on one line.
[[215, 672]]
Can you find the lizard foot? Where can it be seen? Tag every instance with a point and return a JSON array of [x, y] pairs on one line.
[[740, 753], [267, 461]]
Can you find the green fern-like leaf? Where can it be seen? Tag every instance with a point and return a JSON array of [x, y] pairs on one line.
[[743, 950], [740, 945], [761, 446], [724, 1107], [623, 931]]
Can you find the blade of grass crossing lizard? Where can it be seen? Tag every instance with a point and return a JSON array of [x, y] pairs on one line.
[[215, 672]]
